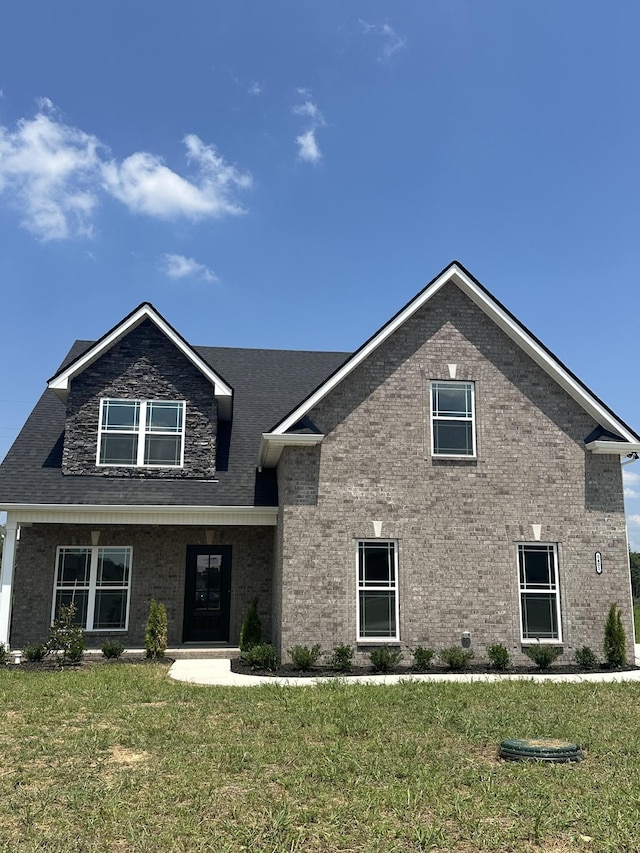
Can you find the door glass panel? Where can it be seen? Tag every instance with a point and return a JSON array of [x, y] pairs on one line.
[[208, 580]]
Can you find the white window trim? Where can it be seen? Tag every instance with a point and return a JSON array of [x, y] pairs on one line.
[[92, 588], [141, 433], [471, 418], [528, 641], [372, 641]]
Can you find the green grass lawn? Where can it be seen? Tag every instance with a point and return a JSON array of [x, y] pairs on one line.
[[118, 758]]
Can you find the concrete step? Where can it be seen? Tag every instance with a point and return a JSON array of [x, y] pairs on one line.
[[189, 651]]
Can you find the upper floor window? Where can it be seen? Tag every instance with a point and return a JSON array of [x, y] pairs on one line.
[[141, 433], [453, 431]]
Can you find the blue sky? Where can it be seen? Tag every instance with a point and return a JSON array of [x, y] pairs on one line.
[[288, 174]]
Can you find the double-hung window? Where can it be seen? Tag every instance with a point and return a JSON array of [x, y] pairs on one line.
[[141, 433], [539, 593], [97, 581], [377, 602], [453, 431]]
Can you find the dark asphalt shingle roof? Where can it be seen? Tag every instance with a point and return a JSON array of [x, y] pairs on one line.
[[267, 385]]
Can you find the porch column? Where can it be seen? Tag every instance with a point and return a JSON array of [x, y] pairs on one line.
[[6, 579]]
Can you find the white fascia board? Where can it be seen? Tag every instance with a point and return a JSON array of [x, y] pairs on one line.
[[272, 445], [502, 319], [614, 448], [60, 382], [141, 514]]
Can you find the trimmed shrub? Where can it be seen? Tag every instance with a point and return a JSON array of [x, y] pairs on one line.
[[586, 658], [112, 649], [251, 631], [262, 656], [155, 636], [341, 659], [615, 639], [422, 659], [304, 657], [66, 636], [34, 652], [499, 656], [384, 659], [543, 656], [455, 657]]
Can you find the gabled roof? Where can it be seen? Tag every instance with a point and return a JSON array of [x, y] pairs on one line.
[[221, 389], [628, 440]]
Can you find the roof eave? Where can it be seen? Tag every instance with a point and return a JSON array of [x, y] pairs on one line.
[[272, 445], [613, 448]]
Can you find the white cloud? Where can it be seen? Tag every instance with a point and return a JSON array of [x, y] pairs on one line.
[[630, 478], [179, 266], [255, 88], [308, 148], [311, 110], [53, 174], [631, 493], [391, 41], [633, 520]]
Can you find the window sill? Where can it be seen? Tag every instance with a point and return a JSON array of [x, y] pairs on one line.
[[378, 641], [536, 642]]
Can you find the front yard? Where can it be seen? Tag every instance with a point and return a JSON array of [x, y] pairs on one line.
[[118, 758]]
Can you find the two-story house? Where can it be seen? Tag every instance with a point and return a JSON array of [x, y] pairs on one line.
[[449, 479]]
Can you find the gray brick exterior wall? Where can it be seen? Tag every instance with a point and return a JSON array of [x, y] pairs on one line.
[[143, 365], [457, 523], [158, 571]]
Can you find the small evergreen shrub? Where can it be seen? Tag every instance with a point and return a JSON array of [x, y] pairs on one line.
[[34, 652], [615, 639], [586, 658], [261, 656], [543, 656], [112, 649], [4, 654], [251, 631], [422, 659], [304, 657], [155, 636], [456, 658], [499, 656], [341, 659], [65, 635], [384, 659]]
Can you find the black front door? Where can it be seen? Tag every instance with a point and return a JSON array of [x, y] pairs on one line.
[[207, 593]]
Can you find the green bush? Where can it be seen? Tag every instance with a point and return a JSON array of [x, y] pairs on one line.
[[615, 639], [66, 636], [112, 649], [262, 656], [586, 658], [304, 657], [341, 659], [251, 631], [455, 657], [422, 659], [155, 636], [543, 656], [384, 659], [4, 654], [499, 656], [34, 652]]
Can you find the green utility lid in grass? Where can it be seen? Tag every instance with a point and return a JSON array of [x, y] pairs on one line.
[[539, 749]]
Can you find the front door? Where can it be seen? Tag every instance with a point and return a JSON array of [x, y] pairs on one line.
[[207, 593]]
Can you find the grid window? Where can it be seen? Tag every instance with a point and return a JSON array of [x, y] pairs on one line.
[[453, 419], [377, 603], [97, 581], [141, 433], [539, 592]]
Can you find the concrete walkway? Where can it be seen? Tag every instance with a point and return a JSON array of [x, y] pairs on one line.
[[201, 671]]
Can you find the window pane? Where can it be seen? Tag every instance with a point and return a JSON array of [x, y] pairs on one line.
[[452, 400], [377, 564], [162, 450], [536, 567], [73, 567], [164, 417], [377, 614], [118, 449], [113, 566], [110, 609], [79, 598], [121, 415], [453, 438], [539, 618]]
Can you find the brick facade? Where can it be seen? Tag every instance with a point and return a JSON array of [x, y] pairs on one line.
[[457, 522], [157, 571]]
